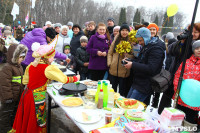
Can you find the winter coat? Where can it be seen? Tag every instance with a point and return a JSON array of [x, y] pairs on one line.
[[82, 56], [11, 75], [19, 34], [169, 58], [114, 62], [3, 51], [97, 44], [36, 35], [70, 33], [177, 49], [90, 33], [110, 29], [75, 43], [192, 68], [61, 41], [148, 64]]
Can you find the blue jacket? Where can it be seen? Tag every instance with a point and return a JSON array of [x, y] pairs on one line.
[[148, 64]]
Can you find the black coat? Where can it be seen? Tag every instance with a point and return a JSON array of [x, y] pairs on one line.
[[82, 56], [177, 50], [148, 64], [75, 43]]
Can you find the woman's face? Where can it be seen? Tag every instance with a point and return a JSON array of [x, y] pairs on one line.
[[115, 32], [153, 31], [64, 32], [197, 52], [57, 29], [101, 30], [91, 27], [76, 30], [196, 34], [124, 33]]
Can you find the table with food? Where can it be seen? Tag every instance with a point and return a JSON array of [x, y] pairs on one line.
[[95, 108]]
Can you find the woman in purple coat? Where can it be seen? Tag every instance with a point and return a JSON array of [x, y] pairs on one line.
[[36, 35], [97, 47]]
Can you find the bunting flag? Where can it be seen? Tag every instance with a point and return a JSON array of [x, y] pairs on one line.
[[27, 18], [15, 11]]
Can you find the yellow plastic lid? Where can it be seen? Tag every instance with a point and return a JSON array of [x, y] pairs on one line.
[[112, 90]]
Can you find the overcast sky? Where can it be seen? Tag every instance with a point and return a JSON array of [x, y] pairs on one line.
[[185, 6]]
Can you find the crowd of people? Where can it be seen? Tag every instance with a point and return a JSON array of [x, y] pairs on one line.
[[91, 54]]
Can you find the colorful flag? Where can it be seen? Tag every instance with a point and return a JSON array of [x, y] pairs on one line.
[[15, 11], [27, 17]]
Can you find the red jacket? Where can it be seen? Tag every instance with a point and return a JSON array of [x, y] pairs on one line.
[[192, 71]]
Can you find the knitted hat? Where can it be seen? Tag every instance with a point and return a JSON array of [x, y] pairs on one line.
[[92, 23], [64, 27], [169, 35], [86, 23], [83, 39], [116, 27], [66, 46], [145, 34], [111, 19], [146, 24], [48, 22], [124, 26], [57, 25], [195, 45], [50, 32], [153, 25], [76, 26], [69, 24]]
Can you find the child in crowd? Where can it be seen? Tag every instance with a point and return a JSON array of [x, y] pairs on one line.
[[11, 86], [70, 62], [82, 57], [192, 68]]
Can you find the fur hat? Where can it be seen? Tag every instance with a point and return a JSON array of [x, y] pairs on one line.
[[153, 25], [83, 39], [111, 19], [92, 23], [195, 45], [48, 22], [15, 51], [124, 26], [70, 24], [169, 35], [76, 26], [57, 25], [116, 27], [145, 34], [64, 27], [50, 32]]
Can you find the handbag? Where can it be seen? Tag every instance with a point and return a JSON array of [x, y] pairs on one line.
[[161, 81]]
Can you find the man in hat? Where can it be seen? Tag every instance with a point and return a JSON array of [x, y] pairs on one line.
[[110, 24]]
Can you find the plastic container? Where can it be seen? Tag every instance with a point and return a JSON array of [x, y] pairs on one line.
[[100, 99], [111, 98], [97, 93], [105, 95]]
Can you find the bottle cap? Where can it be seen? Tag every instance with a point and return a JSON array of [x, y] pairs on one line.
[[112, 90], [106, 83], [99, 82], [101, 90]]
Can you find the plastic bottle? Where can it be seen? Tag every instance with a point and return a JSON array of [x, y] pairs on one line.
[[111, 98], [100, 100], [105, 95], [97, 93]]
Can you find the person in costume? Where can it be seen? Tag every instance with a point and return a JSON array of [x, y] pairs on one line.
[[11, 86], [31, 113]]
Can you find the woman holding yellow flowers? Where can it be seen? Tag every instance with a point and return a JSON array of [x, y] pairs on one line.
[[119, 49]]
